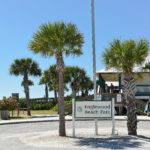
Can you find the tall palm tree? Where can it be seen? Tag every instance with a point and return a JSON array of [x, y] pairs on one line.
[[58, 39], [25, 67], [124, 56]]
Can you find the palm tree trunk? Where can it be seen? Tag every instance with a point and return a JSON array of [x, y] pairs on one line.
[[86, 92], [55, 97], [74, 93], [82, 93], [27, 100], [60, 69], [55, 101], [129, 90], [46, 92], [26, 90]]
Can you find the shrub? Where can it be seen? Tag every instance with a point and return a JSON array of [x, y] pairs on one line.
[[8, 104], [22, 103], [67, 102], [36, 105], [41, 106]]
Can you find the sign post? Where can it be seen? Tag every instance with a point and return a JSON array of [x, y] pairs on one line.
[[73, 117], [113, 116], [96, 126], [99, 98]]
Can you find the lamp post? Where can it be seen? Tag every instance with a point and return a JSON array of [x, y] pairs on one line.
[[94, 58]]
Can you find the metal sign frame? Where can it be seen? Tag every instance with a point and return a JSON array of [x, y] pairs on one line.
[[112, 116]]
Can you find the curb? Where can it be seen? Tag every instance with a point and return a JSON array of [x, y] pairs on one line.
[[52, 119], [23, 122], [30, 121]]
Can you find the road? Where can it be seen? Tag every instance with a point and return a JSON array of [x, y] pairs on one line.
[[43, 136]]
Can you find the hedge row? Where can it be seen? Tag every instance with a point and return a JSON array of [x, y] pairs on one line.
[[36, 105], [41, 106]]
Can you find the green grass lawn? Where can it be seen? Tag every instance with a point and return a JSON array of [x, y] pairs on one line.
[[23, 114], [43, 112]]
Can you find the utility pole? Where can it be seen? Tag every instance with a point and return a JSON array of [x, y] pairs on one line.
[[94, 58]]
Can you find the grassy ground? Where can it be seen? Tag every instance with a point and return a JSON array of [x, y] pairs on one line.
[[23, 114]]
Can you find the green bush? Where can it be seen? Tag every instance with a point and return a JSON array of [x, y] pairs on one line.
[[67, 102], [55, 108], [41, 105], [22, 103], [34, 105]]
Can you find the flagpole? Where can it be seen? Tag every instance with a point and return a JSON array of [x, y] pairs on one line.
[[94, 58]]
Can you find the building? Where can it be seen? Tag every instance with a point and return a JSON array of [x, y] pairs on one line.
[[110, 86]]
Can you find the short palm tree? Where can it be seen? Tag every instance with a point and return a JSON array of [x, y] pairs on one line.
[[43, 81], [86, 85], [50, 78], [58, 39], [25, 67], [77, 78], [124, 56]]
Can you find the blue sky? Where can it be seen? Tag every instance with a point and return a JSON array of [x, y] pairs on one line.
[[19, 19]]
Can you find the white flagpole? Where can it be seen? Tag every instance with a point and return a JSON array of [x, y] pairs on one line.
[[94, 59]]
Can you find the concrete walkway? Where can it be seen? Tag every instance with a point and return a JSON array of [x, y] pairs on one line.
[[47, 118]]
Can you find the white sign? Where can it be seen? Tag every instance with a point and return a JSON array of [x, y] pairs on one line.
[[93, 109], [118, 97]]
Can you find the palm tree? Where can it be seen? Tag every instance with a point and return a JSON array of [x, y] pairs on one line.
[[124, 56], [50, 79], [78, 79], [25, 67], [43, 81], [86, 86], [58, 39], [75, 77]]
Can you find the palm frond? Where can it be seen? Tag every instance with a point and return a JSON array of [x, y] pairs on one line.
[[125, 55], [53, 38]]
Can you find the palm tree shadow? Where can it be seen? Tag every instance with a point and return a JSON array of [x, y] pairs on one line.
[[119, 142], [143, 137]]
